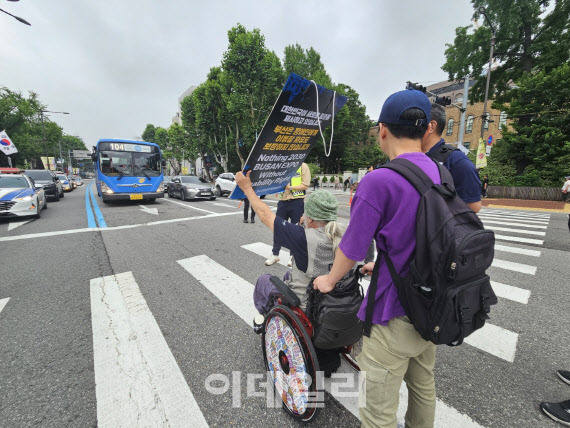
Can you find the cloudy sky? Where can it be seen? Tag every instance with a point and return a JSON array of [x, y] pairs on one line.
[[118, 65]]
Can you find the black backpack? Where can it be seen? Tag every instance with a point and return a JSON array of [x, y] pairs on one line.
[[446, 294], [443, 152]]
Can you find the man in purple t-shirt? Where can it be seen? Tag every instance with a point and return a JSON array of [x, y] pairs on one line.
[[384, 208]]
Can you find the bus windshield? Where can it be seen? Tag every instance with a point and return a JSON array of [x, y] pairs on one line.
[[129, 163]]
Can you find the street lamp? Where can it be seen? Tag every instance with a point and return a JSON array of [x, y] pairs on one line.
[[484, 117], [44, 134], [22, 20]]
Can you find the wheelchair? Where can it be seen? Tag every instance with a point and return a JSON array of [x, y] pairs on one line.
[[290, 356]]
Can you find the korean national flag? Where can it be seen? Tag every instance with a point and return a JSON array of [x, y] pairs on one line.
[[6, 145]]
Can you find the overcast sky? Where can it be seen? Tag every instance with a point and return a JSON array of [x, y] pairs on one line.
[[118, 65]]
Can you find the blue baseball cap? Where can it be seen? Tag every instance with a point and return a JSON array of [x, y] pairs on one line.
[[399, 102]]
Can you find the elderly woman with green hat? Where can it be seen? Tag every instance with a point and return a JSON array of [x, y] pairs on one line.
[[313, 245]]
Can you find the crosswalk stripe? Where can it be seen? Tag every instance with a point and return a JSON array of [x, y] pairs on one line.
[[3, 303], [506, 291], [237, 294], [518, 239], [136, 375], [510, 223], [191, 207], [220, 204], [523, 232], [519, 220], [495, 340], [517, 214], [517, 267], [516, 250], [265, 250]]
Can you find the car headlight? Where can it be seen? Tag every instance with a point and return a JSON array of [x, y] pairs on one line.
[[105, 188], [192, 189], [24, 198], [160, 187]]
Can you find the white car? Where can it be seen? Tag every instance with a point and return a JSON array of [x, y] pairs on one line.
[[20, 196], [225, 183]]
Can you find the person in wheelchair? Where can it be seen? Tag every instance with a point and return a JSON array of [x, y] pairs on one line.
[[312, 245]]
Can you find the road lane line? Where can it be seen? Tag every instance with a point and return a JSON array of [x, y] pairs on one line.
[[237, 294], [190, 206], [506, 291], [220, 204], [517, 239], [516, 250], [137, 379], [509, 223], [494, 217], [3, 303], [265, 250], [15, 224], [90, 217], [495, 340], [517, 267], [523, 232], [96, 210]]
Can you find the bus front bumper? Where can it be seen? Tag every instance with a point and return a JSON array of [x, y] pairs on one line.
[[127, 196]]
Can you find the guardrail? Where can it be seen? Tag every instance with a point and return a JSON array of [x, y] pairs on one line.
[[529, 193]]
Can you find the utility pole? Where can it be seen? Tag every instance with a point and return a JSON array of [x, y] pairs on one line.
[[60, 155], [484, 118], [463, 110]]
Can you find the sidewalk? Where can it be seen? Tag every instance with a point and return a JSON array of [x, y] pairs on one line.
[[524, 204]]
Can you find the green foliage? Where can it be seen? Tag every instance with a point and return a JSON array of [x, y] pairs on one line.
[[325, 180], [149, 133], [500, 173], [529, 37], [314, 168]]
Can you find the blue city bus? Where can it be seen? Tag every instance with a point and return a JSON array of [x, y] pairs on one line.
[[128, 170]]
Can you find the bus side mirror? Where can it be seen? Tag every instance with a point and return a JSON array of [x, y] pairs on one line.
[[94, 156]]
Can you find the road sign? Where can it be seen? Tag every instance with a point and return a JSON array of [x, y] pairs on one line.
[[488, 151], [490, 140], [81, 154], [81, 164]]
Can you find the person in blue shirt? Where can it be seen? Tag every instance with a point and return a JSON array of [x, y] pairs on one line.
[[465, 177]]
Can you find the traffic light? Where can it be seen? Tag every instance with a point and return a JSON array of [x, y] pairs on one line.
[[416, 86], [444, 101]]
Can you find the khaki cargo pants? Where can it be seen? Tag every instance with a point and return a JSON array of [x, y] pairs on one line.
[[391, 354]]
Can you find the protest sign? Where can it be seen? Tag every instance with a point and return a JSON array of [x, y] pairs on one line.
[[289, 133], [481, 161]]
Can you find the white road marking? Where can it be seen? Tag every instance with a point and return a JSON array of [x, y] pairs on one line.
[[105, 229], [137, 379], [496, 341], [237, 294], [517, 267], [15, 224], [510, 223], [516, 250], [3, 303], [148, 209], [524, 232], [517, 239], [265, 250], [190, 206], [520, 220], [518, 213], [506, 291], [220, 204]]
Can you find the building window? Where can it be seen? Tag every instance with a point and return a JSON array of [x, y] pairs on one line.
[[469, 125], [450, 127], [458, 98], [503, 119], [486, 127], [467, 144]]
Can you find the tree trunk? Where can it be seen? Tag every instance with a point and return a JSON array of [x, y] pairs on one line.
[[238, 151]]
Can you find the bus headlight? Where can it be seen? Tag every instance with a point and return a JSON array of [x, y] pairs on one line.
[[160, 187], [105, 188]]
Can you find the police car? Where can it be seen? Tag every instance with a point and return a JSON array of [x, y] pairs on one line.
[[20, 196]]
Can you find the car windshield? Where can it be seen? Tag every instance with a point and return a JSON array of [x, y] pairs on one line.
[[13, 182], [192, 180], [62, 177], [39, 175], [126, 163]]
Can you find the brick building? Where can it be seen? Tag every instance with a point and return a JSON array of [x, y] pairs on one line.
[[473, 116]]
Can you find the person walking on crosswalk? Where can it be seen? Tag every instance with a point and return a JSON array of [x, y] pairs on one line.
[[291, 204], [559, 412]]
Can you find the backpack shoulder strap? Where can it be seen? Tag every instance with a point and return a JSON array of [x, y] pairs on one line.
[[411, 172], [444, 151]]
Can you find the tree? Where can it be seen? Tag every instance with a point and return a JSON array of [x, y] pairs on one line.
[[539, 141], [177, 147], [197, 142], [529, 37], [306, 63], [149, 133]]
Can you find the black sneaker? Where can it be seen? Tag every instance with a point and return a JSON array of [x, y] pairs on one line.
[[245, 221], [559, 412], [564, 375], [252, 221]]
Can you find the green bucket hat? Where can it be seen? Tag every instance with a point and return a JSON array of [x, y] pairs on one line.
[[321, 206]]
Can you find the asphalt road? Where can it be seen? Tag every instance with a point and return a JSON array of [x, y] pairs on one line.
[[143, 319]]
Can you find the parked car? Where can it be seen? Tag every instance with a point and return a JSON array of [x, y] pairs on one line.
[[48, 179], [225, 183], [190, 187], [20, 196], [66, 184]]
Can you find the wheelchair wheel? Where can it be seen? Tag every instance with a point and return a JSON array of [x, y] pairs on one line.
[[291, 361]]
